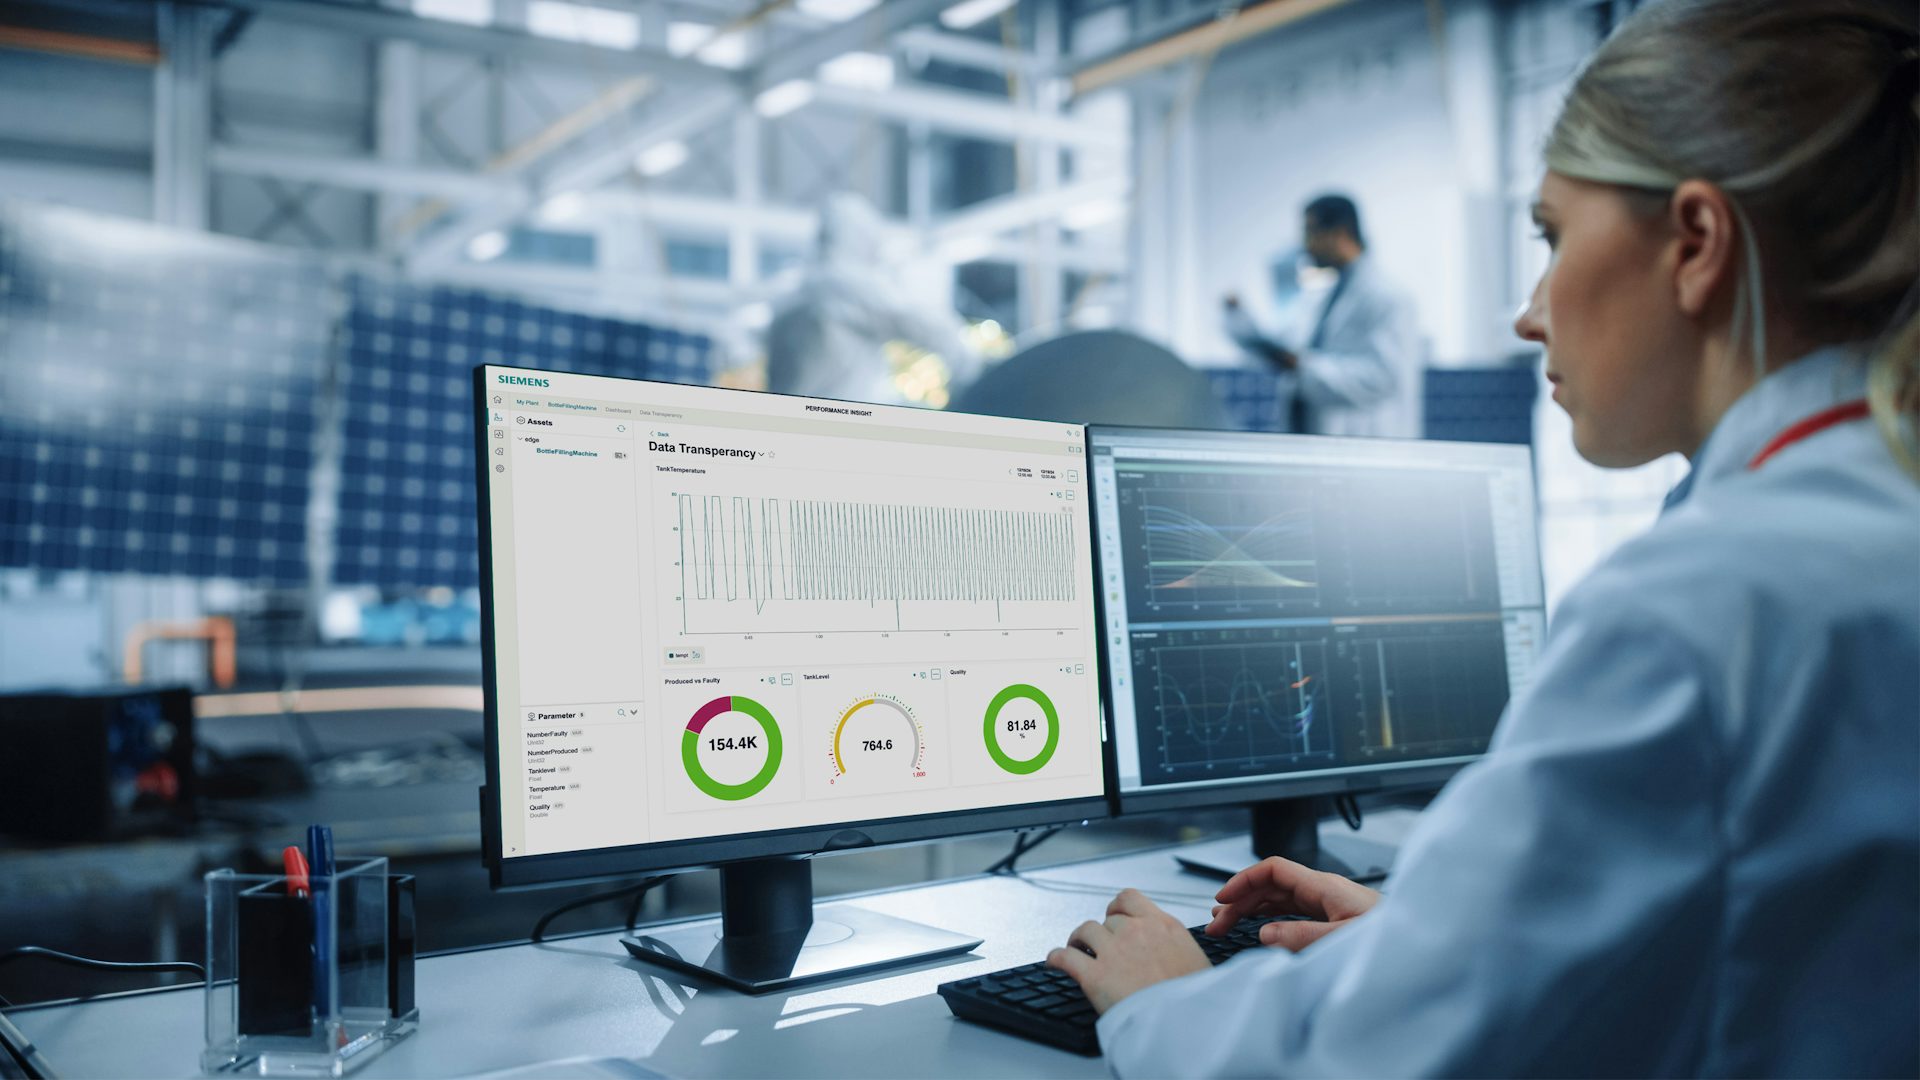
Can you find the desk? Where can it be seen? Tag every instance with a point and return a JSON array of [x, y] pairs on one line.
[[494, 1009]]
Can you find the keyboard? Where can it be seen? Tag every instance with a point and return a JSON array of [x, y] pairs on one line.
[[1037, 1002]]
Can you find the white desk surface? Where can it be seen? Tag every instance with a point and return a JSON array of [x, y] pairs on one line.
[[502, 1008]]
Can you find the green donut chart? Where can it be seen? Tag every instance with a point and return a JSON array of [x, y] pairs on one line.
[[1016, 692], [690, 748]]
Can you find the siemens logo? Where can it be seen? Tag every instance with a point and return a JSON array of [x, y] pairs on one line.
[[521, 380]]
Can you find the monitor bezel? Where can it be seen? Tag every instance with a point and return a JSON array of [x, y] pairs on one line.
[[1428, 774], [675, 856]]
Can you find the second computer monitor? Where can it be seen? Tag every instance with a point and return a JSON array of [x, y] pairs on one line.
[[1290, 616]]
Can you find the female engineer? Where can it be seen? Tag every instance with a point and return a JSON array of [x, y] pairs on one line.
[[1694, 845]]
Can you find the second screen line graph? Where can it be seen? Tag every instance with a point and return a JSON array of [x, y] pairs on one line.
[[741, 554], [1186, 553], [1214, 544], [1246, 708]]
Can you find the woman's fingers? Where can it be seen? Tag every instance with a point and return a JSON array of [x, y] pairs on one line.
[[1276, 886], [1269, 877], [1295, 935], [1291, 889], [1226, 915], [1072, 961], [1090, 936]]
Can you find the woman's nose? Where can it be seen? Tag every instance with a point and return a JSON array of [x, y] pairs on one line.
[[1530, 322]]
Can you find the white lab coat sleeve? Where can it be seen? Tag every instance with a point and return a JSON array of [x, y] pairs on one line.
[[1359, 370], [1554, 911]]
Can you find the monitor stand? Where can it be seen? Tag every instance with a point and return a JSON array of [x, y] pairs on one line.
[[769, 936], [1289, 828]]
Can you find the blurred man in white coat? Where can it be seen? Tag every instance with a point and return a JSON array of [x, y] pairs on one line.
[[1358, 372]]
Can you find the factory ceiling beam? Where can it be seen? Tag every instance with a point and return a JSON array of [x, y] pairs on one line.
[[589, 167], [704, 212], [990, 217], [862, 33], [395, 178], [580, 170], [367, 174], [701, 213], [382, 22], [1204, 39], [77, 154], [586, 281], [967, 52], [966, 113]]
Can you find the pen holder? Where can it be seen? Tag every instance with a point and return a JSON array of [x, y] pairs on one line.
[[303, 982]]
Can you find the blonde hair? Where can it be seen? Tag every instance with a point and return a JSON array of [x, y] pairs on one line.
[[1807, 115]]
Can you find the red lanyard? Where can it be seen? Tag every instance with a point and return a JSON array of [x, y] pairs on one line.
[[1812, 425]]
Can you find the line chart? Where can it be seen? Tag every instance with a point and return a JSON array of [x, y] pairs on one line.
[[740, 556]]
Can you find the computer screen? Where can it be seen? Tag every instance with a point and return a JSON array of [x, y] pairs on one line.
[[1288, 614], [725, 625]]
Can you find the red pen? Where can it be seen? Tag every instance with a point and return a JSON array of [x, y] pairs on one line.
[[296, 866]]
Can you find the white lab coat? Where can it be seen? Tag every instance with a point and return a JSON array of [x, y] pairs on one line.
[[1694, 845], [1365, 378]]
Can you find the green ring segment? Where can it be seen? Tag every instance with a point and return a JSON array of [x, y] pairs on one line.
[[690, 749], [1038, 761]]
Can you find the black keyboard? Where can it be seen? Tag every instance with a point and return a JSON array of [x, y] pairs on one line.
[[1045, 1005]]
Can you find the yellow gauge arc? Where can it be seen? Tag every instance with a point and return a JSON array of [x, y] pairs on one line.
[[913, 727]]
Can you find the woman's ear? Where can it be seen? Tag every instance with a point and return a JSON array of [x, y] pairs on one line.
[[1706, 235]]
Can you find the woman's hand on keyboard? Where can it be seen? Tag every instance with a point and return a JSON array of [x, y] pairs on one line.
[[1276, 886], [1138, 945]]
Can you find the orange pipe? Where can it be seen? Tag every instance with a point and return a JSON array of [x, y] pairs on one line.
[[216, 630], [117, 50]]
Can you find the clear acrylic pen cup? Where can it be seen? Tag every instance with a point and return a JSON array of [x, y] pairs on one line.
[[297, 979]]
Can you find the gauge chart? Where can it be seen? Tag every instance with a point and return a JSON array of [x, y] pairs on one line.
[[878, 742]]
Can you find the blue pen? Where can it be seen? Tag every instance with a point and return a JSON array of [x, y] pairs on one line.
[[320, 867]]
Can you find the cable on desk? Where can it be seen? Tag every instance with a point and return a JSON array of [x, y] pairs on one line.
[[638, 892], [1022, 844], [1349, 809], [1050, 885], [22, 1057], [102, 965]]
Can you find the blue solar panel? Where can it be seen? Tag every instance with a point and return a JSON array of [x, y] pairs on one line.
[[164, 393], [1252, 398], [407, 515], [158, 415], [1481, 404], [1463, 404]]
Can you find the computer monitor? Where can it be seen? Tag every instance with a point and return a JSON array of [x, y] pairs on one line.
[[734, 629], [1288, 617]]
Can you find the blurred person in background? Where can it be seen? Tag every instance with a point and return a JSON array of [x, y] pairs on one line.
[[852, 331], [1693, 848], [1358, 372]]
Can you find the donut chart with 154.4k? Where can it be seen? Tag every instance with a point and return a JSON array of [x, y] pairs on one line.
[[690, 747]]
